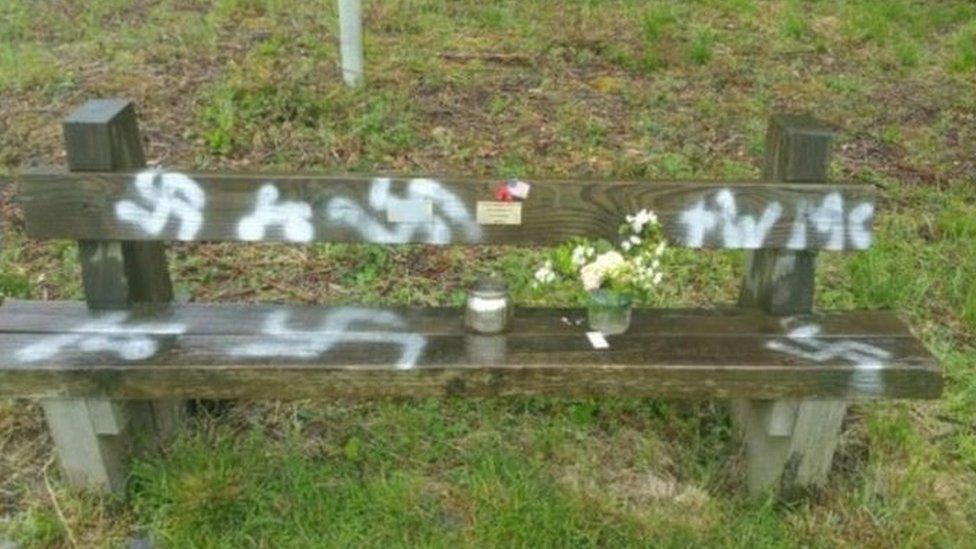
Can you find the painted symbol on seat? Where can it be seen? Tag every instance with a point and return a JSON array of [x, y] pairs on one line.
[[340, 326], [110, 334], [804, 342]]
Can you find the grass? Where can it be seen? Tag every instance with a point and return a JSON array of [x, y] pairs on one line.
[[13, 58], [700, 49], [965, 42], [615, 89]]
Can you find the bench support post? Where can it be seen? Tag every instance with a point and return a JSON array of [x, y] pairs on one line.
[[789, 444], [94, 437]]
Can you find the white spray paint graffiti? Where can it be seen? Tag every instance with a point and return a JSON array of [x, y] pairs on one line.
[[829, 219], [803, 343], [169, 194], [721, 217], [738, 231], [858, 225], [449, 209], [165, 195], [337, 328], [134, 341], [292, 216]]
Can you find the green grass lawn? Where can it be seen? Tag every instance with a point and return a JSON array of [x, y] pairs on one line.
[[582, 89]]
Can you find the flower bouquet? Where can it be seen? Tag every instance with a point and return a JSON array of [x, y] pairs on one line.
[[612, 277]]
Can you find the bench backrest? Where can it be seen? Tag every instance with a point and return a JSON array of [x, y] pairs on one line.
[[170, 205], [109, 199]]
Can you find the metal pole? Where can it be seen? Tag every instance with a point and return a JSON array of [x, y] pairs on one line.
[[351, 41]]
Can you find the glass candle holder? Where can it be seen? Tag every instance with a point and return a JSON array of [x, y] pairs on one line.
[[489, 308]]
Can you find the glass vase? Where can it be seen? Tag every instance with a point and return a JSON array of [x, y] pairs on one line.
[[608, 311]]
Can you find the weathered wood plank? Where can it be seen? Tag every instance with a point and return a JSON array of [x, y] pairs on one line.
[[24, 316], [298, 353], [154, 205], [290, 381], [411, 350]]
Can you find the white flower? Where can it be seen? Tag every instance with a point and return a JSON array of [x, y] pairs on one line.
[[580, 255], [625, 246], [658, 277], [609, 260], [635, 240], [592, 276], [545, 274], [642, 218], [660, 248]]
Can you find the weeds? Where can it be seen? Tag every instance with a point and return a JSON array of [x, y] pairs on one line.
[[965, 45], [700, 48], [28, 66]]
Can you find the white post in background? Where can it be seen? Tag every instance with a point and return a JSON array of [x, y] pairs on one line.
[[351, 41]]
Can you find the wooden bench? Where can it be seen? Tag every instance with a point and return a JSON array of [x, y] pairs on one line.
[[120, 364]]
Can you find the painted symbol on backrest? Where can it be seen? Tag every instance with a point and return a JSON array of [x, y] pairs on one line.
[[164, 195], [737, 231], [718, 218], [449, 211], [293, 217]]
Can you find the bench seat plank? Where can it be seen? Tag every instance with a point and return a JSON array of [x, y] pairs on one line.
[[52, 349], [244, 319]]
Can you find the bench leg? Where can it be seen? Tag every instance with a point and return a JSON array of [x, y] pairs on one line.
[[95, 437], [789, 444]]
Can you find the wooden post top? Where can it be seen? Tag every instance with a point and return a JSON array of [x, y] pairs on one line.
[[103, 135], [797, 149], [804, 124], [98, 111]]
